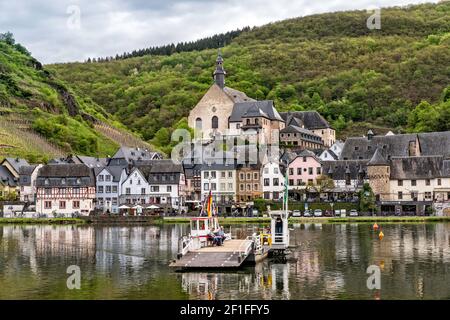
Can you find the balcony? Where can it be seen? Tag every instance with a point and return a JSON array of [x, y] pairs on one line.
[[249, 126]]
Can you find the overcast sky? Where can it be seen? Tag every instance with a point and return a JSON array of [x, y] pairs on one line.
[[61, 30]]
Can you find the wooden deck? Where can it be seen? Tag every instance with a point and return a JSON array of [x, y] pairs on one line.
[[230, 255]]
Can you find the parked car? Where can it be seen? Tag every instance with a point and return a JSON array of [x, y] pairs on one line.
[[307, 213], [318, 213], [296, 213], [353, 213]]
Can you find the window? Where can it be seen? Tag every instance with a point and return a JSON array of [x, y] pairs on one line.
[[275, 170], [255, 187], [48, 191], [154, 188], [276, 182], [206, 186], [291, 182], [414, 195], [114, 201], [241, 187], [291, 171], [139, 182], [267, 195], [249, 176], [222, 174], [230, 174], [215, 122], [62, 205], [131, 181], [114, 189], [76, 204], [299, 182], [213, 174], [128, 190], [213, 187], [241, 176], [427, 182], [222, 186], [47, 204], [427, 195], [299, 171], [169, 188], [108, 189], [101, 178], [310, 171], [63, 181], [400, 183], [400, 195], [108, 177], [266, 170], [413, 182], [255, 176], [206, 174], [266, 182], [230, 186], [143, 191], [76, 191], [304, 159], [46, 182], [249, 187], [439, 182], [198, 123], [318, 170], [100, 189]]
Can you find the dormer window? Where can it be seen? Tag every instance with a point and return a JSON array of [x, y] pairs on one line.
[[78, 181], [46, 182], [63, 181]]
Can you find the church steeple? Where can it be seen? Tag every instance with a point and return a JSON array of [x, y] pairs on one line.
[[219, 73]]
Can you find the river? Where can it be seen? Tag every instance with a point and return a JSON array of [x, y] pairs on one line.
[[328, 261]]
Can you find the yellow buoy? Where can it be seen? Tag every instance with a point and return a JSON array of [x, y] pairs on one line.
[[381, 235], [375, 226]]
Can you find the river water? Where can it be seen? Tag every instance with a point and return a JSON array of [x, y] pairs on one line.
[[328, 261]]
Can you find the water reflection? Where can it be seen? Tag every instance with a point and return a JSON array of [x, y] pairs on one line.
[[328, 261]]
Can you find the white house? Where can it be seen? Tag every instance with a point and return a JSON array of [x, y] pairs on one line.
[[220, 179], [109, 181], [27, 183], [65, 189], [272, 181], [134, 189]]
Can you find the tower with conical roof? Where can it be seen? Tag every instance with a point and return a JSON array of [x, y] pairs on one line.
[[219, 73], [378, 171]]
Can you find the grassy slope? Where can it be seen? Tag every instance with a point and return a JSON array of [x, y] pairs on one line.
[[40, 117], [329, 62]]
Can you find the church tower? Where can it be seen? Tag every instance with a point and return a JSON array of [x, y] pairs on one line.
[[378, 172], [219, 73]]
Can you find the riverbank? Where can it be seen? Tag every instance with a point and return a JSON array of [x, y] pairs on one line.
[[41, 221], [232, 220]]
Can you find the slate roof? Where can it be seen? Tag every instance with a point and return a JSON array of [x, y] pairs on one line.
[[236, 95], [363, 148], [115, 171], [435, 143], [6, 178], [305, 133], [310, 119], [432, 143], [25, 173], [16, 163], [154, 170], [426, 167], [378, 159], [93, 162], [65, 175], [265, 106], [338, 169], [135, 154], [331, 153]]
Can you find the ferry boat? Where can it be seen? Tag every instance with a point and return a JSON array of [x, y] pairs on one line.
[[198, 250]]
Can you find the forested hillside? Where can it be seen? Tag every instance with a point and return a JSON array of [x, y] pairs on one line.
[[354, 76], [40, 117]]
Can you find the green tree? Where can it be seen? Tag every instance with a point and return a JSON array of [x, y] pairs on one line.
[[367, 199]]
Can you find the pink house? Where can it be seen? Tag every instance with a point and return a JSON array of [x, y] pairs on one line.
[[304, 169]]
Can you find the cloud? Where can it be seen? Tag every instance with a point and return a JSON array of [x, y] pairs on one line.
[[73, 30]]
